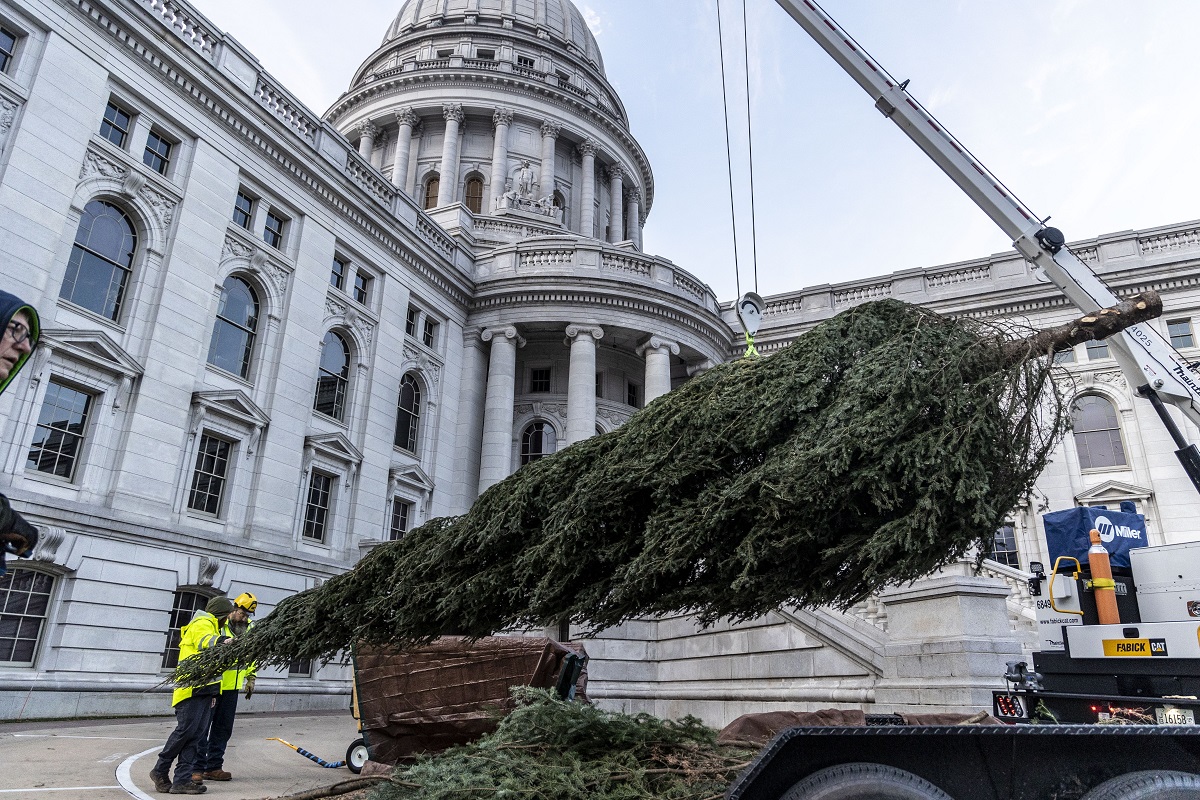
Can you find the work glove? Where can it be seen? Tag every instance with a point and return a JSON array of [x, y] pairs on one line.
[[249, 686], [19, 536]]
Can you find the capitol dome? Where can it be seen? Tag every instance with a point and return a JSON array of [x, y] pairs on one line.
[[556, 19]]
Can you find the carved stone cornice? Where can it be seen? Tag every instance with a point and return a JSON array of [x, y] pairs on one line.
[[453, 111], [502, 116], [507, 331], [550, 129]]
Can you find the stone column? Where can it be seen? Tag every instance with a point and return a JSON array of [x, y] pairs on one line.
[[407, 118], [587, 214], [616, 223], [546, 174], [448, 173], [502, 119], [495, 459], [657, 352], [366, 141], [470, 417], [581, 382], [633, 213]]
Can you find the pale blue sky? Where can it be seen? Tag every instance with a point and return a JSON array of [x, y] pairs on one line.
[[1085, 108]]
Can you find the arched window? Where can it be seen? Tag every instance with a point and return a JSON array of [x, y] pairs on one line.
[[408, 414], [431, 192], [24, 604], [474, 194], [333, 377], [233, 333], [537, 441], [101, 260], [1097, 433]]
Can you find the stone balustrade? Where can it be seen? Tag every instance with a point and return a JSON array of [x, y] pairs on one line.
[[569, 256]]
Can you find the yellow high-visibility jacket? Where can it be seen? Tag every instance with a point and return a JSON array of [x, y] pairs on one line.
[[200, 634], [232, 680]]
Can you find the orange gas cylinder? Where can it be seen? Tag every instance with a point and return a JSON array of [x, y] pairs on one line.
[[1102, 581]]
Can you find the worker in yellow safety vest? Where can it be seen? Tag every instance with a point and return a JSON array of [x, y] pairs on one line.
[[211, 757], [193, 705]]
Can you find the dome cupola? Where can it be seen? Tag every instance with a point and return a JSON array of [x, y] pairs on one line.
[[501, 106]]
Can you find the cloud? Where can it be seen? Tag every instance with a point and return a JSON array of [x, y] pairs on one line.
[[592, 19]]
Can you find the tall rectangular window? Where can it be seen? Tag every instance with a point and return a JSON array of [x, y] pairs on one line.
[[401, 514], [539, 379], [61, 428], [158, 153], [115, 126], [1097, 349], [410, 321], [1004, 546], [183, 607], [24, 604], [429, 334], [1181, 333], [633, 394], [600, 385], [208, 479], [243, 210], [362, 283], [337, 275], [316, 510], [273, 229], [8, 48]]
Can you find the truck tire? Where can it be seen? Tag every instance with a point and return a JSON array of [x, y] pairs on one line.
[[864, 782], [1148, 785]]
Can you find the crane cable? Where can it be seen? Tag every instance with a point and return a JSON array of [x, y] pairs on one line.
[[750, 145], [750, 349], [737, 278]]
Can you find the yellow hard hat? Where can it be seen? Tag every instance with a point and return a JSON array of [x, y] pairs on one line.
[[246, 602]]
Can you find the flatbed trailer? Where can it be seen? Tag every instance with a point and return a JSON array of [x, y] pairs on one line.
[[973, 762]]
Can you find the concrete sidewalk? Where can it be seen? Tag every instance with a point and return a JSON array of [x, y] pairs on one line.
[[111, 759]]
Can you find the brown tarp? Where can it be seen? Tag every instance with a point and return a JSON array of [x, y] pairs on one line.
[[761, 728], [424, 700]]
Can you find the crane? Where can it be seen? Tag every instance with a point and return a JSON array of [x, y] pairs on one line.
[[1146, 358]]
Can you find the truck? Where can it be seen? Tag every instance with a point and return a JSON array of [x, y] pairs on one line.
[[1110, 712]]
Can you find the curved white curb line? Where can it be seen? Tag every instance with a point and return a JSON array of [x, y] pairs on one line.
[[126, 779]]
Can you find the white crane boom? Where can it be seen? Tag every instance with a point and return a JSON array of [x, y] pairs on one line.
[[1145, 357]]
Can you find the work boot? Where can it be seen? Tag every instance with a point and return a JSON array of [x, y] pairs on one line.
[[217, 775], [197, 777], [191, 787], [161, 782]]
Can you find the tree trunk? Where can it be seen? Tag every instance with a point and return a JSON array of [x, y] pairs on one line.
[[1097, 325]]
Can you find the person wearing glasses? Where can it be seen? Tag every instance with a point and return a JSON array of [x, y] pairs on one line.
[[21, 330]]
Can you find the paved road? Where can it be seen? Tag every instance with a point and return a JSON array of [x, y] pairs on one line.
[[111, 759]]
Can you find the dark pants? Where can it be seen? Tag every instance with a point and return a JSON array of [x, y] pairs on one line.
[[212, 749], [192, 717]]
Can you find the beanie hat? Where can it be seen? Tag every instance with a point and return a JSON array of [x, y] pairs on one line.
[[219, 606]]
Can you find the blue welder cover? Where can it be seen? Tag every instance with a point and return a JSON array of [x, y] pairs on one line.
[[1120, 532]]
